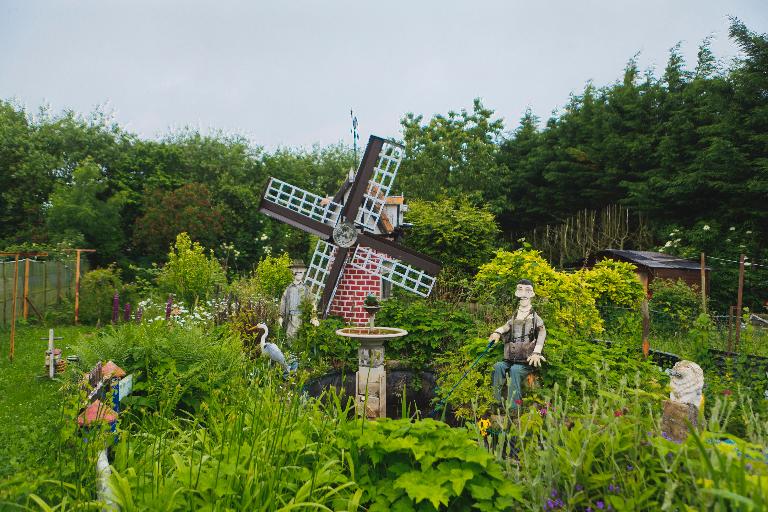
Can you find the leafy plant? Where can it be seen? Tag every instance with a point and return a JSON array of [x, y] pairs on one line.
[[678, 304], [189, 273], [424, 465], [433, 327], [97, 289], [269, 279]]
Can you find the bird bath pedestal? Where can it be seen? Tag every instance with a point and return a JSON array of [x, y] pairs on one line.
[[371, 377]]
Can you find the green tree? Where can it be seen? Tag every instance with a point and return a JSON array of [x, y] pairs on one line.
[[453, 155], [187, 209], [80, 211], [461, 236]]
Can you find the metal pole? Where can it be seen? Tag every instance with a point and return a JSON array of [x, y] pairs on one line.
[[703, 285], [739, 298], [13, 308]]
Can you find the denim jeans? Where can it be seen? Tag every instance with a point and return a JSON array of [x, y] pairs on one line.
[[517, 372]]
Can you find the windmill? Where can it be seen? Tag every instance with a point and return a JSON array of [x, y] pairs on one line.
[[346, 225]]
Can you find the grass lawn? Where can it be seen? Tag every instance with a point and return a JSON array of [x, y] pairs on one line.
[[29, 404]]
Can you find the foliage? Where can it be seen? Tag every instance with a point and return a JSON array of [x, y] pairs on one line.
[[188, 209], [247, 316], [401, 465], [269, 279], [453, 156], [433, 327], [320, 344], [574, 449], [456, 233], [189, 273], [78, 212], [563, 300], [178, 366], [678, 303], [252, 448], [618, 294], [97, 289]]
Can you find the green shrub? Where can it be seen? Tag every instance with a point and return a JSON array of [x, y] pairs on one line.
[[269, 279], [190, 274], [433, 327], [178, 366], [97, 289], [674, 305], [426, 465]]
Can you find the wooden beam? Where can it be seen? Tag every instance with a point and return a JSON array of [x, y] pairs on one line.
[[339, 259], [364, 175], [297, 220], [703, 284], [77, 286], [399, 252]]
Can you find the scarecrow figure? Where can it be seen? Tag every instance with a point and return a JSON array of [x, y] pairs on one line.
[[523, 337], [290, 303]]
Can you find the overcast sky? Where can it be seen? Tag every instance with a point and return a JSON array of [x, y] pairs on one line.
[[287, 72]]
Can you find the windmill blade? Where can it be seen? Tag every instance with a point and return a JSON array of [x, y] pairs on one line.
[[363, 176], [392, 270], [404, 254], [299, 208], [319, 267], [379, 185]]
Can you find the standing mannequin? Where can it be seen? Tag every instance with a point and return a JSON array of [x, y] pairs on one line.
[[524, 337], [290, 302]]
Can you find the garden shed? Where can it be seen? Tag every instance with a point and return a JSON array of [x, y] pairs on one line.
[[657, 265]]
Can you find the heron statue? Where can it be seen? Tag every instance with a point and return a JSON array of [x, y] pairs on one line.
[[272, 351]]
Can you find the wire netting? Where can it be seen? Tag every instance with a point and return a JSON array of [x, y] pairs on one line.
[[49, 282]]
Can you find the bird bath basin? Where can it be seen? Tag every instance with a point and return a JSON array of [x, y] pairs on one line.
[[371, 335], [371, 377]]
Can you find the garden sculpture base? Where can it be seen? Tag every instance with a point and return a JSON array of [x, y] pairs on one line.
[[371, 376], [675, 419]]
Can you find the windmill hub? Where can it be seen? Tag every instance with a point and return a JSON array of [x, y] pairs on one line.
[[345, 234]]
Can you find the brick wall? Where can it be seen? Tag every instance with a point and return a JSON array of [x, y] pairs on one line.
[[355, 285]]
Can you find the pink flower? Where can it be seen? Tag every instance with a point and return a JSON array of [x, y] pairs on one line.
[[727, 392], [618, 413], [518, 402]]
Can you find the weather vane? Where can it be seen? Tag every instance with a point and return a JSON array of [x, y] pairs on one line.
[[355, 135]]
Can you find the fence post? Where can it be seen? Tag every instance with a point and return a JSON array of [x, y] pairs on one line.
[[730, 329], [25, 305], [15, 292], [739, 298]]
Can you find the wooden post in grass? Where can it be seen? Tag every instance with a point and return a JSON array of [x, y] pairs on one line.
[[25, 305], [78, 252], [739, 298], [646, 320]]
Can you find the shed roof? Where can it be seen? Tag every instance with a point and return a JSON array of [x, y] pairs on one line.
[[652, 259]]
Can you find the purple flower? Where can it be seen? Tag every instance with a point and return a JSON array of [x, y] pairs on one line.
[[600, 504], [588, 509], [168, 306], [553, 493], [127, 312], [115, 307], [579, 487], [630, 467], [139, 314], [614, 488]]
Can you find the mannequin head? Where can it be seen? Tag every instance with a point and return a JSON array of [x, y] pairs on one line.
[[524, 291], [298, 269]]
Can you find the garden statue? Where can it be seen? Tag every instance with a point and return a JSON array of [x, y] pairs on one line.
[[523, 337], [290, 303], [686, 380]]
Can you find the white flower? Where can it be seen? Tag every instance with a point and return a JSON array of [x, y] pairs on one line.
[[732, 228], [706, 227], [668, 244], [749, 232]]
